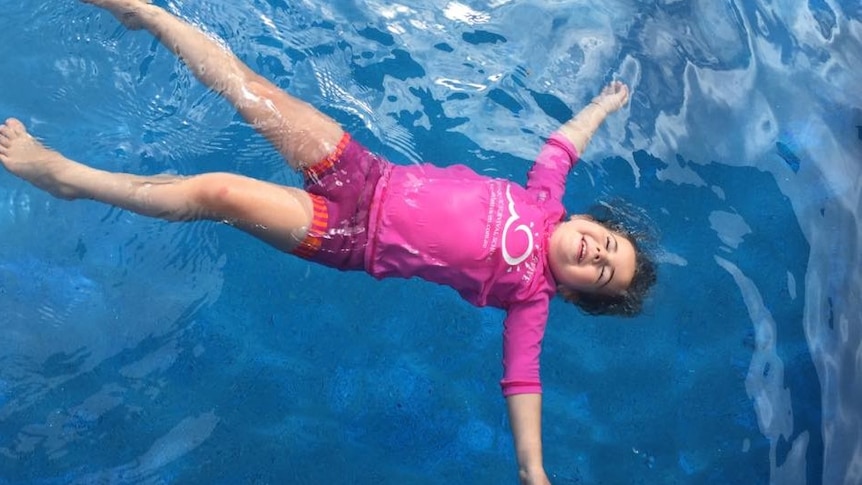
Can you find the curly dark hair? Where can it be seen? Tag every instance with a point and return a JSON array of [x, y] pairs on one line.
[[632, 224]]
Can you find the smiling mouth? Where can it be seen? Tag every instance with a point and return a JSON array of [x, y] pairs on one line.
[[583, 251]]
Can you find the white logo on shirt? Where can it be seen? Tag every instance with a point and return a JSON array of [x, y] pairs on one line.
[[513, 218]]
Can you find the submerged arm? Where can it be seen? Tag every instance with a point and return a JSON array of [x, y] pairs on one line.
[[581, 127], [525, 416]]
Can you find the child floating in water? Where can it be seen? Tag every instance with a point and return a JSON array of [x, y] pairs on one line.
[[495, 242]]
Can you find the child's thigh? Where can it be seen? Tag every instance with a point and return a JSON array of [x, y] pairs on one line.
[[301, 133], [276, 214]]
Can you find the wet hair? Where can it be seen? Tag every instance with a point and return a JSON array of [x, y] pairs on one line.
[[633, 224]]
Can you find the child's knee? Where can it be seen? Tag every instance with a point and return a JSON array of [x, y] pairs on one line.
[[213, 193]]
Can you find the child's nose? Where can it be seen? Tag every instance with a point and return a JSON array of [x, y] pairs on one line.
[[600, 256]]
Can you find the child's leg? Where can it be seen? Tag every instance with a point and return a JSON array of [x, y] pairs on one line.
[[301, 133], [277, 215]]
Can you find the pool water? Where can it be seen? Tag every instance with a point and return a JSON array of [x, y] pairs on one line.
[[138, 351]]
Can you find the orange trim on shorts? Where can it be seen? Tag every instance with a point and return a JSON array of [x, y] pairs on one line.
[[309, 245], [315, 171]]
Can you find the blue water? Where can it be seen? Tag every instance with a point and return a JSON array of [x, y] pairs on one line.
[[137, 351]]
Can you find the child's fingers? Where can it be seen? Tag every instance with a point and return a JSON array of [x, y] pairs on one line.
[[614, 88]]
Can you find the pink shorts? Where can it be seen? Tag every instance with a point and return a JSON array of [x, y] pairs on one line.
[[341, 187]]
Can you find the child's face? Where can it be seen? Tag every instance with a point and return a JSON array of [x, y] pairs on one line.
[[585, 256]]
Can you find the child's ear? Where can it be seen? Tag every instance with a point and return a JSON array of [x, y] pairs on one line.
[[567, 293]]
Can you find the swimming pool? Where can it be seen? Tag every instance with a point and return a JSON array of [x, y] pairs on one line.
[[135, 351]]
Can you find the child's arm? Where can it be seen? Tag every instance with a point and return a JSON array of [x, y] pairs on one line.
[[525, 416], [580, 129]]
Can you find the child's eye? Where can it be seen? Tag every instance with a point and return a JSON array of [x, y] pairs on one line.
[[608, 243]]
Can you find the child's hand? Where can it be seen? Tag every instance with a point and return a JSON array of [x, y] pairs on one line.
[[580, 129], [538, 478], [613, 97]]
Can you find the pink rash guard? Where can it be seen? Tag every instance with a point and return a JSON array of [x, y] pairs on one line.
[[487, 238]]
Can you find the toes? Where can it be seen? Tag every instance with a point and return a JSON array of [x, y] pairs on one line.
[[12, 129], [16, 126]]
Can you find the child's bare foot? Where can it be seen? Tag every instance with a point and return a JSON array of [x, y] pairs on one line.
[[128, 12], [25, 157], [613, 97]]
